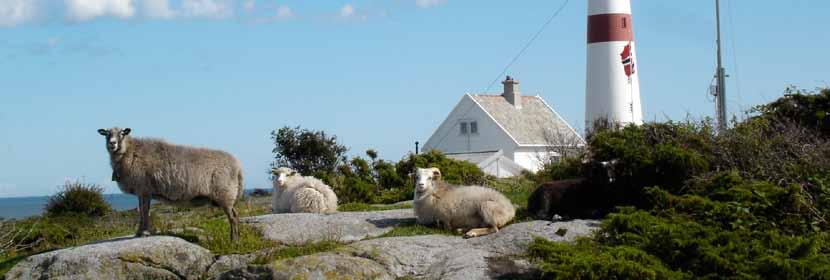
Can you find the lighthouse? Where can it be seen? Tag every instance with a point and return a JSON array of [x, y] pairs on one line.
[[613, 86]]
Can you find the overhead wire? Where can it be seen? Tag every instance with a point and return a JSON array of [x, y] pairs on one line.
[[734, 52], [527, 45], [512, 61]]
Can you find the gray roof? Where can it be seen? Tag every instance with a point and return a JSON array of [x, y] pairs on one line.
[[533, 124]]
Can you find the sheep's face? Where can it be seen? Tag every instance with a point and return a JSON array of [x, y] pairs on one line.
[[116, 138], [281, 175], [426, 179]]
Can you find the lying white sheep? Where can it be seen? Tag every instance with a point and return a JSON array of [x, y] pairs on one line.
[[475, 209], [294, 193]]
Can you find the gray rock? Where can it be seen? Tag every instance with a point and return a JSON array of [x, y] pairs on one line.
[[302, 228], [328, 266], [412, 255], [320, 266], [158, 257], [451, 257], [228, 263], [515, 238], [461, 264]]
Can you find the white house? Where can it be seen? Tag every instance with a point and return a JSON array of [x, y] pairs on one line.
[[504, 134]]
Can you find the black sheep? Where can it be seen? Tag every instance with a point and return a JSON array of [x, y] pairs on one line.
[[574, 198]]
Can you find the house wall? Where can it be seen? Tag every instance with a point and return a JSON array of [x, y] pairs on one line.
[[497, 169], [532, 158], [448, 138]]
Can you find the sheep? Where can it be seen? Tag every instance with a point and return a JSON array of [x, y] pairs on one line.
[[574, 198], [294, 193], [154, 169], [475, 209]]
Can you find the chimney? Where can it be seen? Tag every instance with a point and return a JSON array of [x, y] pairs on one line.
[[511, 92]]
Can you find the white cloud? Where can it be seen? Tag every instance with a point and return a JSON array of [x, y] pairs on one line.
[[83, 10], [216, 9], [159, 9], [284, 12], [14, 12], [428, 3], [347, 11]]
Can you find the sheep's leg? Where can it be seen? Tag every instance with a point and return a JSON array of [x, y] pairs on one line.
[[144, 216], [476, 232], [489, 213], [233, 220]]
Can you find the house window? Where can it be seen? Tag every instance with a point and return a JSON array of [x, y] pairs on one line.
[[473, 128], [463, 128]]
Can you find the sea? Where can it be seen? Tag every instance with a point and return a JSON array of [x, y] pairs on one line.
[[22, 207]]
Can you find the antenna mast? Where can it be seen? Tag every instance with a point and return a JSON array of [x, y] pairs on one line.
[[721, 76]]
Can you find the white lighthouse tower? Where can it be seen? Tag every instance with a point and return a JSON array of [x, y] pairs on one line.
[[613, 85]]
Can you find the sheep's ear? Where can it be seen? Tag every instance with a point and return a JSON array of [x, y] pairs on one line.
[[126, 131], [103, 132], [436, 174]]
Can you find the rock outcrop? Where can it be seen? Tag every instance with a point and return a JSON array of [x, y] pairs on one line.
[[158, 257], [426, 256], [498, 255], [301, 228]]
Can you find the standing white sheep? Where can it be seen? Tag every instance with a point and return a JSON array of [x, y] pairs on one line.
[[294, 193], [154, 169], [475, 209]]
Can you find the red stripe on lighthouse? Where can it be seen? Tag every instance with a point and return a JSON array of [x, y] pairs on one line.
[[609, 27]]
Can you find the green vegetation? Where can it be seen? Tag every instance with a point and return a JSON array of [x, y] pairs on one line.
[[40, 234], [206, 226], [452, 171], [76, 198], [413, 229], [362, 180], [751, 202], [363, 207], [307, 151], [287, 252]]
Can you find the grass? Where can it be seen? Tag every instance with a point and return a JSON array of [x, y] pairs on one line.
[[413, 229], [205, 226], [363, 207], [518, 190], [208, 227], [288, 252], [6, 264], [42, 234]]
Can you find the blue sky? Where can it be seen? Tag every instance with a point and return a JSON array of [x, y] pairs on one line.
[[378, 74]]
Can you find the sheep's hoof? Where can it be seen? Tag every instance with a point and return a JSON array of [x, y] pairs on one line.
[[470, 235], [142, 233]]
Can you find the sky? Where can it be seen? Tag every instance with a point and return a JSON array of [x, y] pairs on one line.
[[378, 74]]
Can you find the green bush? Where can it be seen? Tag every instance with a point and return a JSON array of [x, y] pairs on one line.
[[358, 180], [452, 171], [585, 260], [567, 168], [307, 151], [751, 202], [379, 181], [807, 108], [78, 198]]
